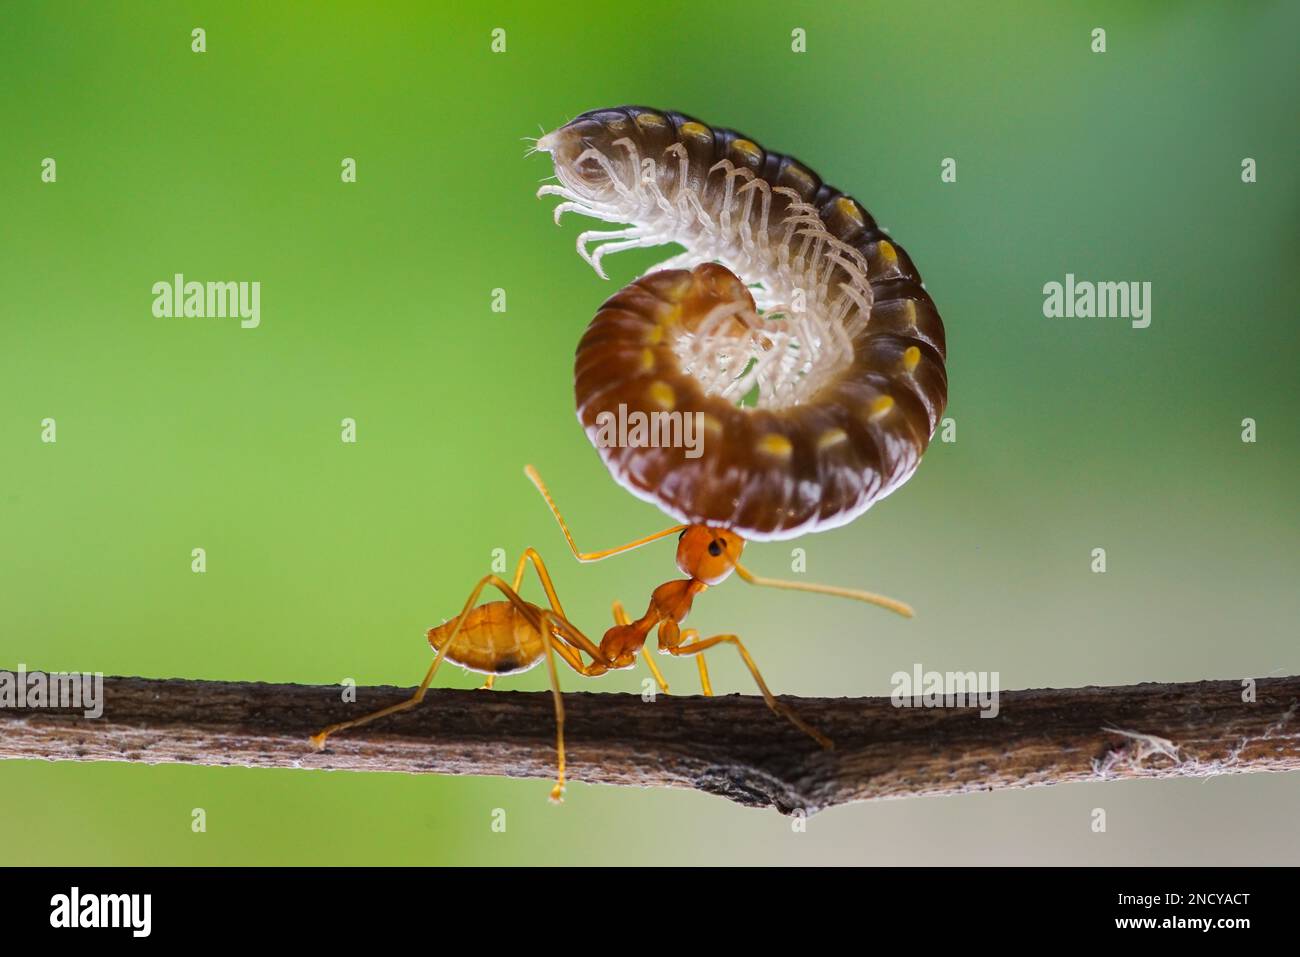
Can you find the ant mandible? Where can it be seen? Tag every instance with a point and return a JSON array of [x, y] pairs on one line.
[[514, 635]]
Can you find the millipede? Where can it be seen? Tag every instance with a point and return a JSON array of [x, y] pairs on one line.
[[792, 324]]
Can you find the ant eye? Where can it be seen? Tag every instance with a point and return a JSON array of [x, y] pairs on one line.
[[715, 548]]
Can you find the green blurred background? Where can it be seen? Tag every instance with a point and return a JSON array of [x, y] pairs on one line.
[[328, 560]]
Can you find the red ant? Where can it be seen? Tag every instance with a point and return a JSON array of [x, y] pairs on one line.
[[512, 636]]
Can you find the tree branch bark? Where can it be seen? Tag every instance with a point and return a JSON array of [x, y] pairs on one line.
[[731, 745]]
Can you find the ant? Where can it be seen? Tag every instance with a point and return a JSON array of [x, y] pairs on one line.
[[514, 635]]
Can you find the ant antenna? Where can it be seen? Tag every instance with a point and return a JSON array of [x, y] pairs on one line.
[[892, 604], [573, 546]]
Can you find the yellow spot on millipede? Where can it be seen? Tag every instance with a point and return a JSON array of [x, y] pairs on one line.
[[662, 394], [880, 407], [911, 358], [776, 445], [888, 254], [831, 438], [849, 210], [696, 131], [653, 120], [748, 149], [711, 424], [654, 334], [647, 360]]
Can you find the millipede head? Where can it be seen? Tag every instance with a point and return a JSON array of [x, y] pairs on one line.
[[711, 287], [586, 160]]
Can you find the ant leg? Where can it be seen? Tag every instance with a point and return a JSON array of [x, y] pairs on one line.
[[557, 792], [570, 640], [706, 687], [557, 645], [570, 631], [656, 673], [592, 556], [318, 739], [694, 645], [546, 623], [704, 675], [487, 683], [567, 639], [549, 624], [620, 618]]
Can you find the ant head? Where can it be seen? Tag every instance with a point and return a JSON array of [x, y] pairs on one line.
[[708, 554]]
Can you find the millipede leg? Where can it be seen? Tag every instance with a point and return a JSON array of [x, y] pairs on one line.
[[629, 240]]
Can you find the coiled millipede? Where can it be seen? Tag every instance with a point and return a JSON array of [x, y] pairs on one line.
[[788, 293]]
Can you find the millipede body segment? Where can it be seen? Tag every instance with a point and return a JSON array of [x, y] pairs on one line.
[[795, 333]]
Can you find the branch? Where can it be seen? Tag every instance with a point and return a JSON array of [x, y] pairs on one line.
[[731, 746]]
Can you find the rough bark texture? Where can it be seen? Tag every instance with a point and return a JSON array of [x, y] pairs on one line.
[[731, 746]]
